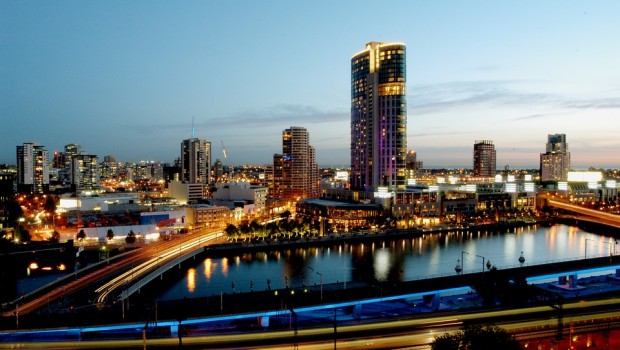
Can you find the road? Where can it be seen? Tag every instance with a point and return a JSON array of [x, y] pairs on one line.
[[129, 268], [411, 333]]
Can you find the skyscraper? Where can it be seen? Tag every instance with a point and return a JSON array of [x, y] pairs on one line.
[[84, 172], [196, 161], [378, 117], [32, 168], [295, 172], [484, 159], [555, 163]]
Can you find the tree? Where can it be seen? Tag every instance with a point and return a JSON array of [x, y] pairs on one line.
[[81, 235], [131, 237], [55, 238], [23, 234], [476, 337], [50, 205], [232, 231], [110, 234]]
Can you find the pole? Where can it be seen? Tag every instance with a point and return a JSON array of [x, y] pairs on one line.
[[335, 329], [321, 277]]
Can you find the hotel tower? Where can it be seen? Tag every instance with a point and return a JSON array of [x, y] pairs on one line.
[[378, 117]]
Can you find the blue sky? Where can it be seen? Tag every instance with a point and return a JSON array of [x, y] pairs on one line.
[[125, 78]]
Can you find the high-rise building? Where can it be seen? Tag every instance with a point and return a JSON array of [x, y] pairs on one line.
[[32, 168], [295, 172], [555, 162], [484, 159], [84, 172], [196, 161], [71, 150], [378, 117]]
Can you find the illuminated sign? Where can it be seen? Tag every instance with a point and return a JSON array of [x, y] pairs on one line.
[[433, 188], [342, 175], [511, 178], [563, 186], [382, 192], [470, 187], [610, 183], [411, 182], [585, 176], [498, 178], [511, 187], [529, 187], [528, 177]]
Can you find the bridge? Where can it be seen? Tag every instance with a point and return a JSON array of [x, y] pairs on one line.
[[585, 214]]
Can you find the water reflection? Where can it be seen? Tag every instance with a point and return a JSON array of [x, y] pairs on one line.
[[389, 260]]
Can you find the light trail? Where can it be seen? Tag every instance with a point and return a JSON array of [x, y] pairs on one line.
[[174, 251]]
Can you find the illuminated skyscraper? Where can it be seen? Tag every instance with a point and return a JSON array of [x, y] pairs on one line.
[[484, 159], [295, 172], [196, 161], [555, 163], [378, 117], [84, 172], [32, 168]]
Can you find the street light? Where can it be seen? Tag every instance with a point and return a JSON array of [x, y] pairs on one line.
[[460, 265], [480, 256], [585, 250], [321, 278]]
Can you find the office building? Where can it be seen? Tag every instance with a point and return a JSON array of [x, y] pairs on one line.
[[378, 117], [84, 172], [196, 161], [32, 168], [484, 159], [555, 162], [295, 172]]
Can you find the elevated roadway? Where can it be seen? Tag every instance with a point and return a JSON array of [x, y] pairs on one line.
[[586, 214]]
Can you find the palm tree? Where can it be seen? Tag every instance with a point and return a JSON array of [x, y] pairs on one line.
[[81, 235], [110, 234], [131, 237], [232, 231]]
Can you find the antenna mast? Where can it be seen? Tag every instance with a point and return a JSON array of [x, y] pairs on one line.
[[193, 129]]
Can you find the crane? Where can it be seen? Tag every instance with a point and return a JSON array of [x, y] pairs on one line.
[[224, 149]]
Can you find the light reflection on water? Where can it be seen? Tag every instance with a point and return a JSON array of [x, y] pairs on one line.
[[396, 260]]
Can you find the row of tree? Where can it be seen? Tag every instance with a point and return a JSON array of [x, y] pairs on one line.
[[129, 239], [274, 230]]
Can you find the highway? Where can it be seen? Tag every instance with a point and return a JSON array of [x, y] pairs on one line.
[[130, 268], [411, 333]]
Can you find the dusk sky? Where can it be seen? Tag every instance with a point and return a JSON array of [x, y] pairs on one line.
[[125, 78]]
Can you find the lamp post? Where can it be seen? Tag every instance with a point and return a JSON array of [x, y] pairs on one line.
[[585, 250], [480, 256], [321, 279], [461, 264]]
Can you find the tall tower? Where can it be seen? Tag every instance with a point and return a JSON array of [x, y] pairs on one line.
[[84, 172], [555, 163], [196, 161], [378, 117], [295, 172], [484, 159], [32, 168]]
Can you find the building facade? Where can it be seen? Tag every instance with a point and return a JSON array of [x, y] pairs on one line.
[[84, 172], [33, 170], [485, 163], [196, 161], [555, 162], [295, 172], [378, 117]]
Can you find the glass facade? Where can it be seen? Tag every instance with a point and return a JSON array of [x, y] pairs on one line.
[[378, 117]]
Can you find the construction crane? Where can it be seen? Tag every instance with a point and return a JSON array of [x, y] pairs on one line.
[[224, 149]]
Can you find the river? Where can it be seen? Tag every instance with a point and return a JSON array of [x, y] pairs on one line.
[[432, 255]]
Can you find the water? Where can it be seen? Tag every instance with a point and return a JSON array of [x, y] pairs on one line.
[[389, 260]]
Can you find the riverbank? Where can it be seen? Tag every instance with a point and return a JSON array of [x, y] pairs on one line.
[[361, 237]]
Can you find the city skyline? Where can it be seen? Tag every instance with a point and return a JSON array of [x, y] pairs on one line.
[[127, 79]]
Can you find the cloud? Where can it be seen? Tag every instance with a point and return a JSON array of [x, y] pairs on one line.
[[602, 103], [276, 115]]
